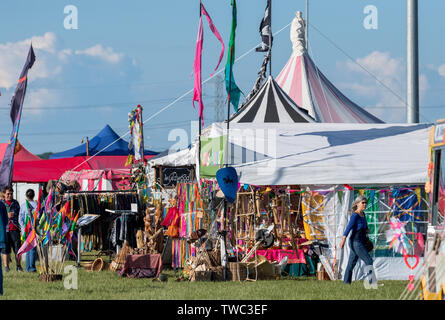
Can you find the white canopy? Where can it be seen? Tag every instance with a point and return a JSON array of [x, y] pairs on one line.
[[327, 153], [185, 157]]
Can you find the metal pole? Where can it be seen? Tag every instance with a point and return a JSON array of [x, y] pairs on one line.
[[200, 119], [412, 62], [270, 40], [307, 24], [142, 132]]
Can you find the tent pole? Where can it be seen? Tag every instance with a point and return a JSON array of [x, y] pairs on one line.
[[270, 40], [199, 117], [142, 132], [307, 24]]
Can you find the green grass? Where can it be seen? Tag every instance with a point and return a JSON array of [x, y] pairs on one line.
[[108, 285]]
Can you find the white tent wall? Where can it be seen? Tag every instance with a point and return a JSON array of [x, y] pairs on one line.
[[20, 190], [326, 153]]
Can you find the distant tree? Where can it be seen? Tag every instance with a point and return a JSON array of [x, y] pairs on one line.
[[45, 155]]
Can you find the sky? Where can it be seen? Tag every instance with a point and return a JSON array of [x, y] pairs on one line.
[[125, 53]]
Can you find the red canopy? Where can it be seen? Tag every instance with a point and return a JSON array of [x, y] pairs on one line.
[[52, 169], [22, 155]]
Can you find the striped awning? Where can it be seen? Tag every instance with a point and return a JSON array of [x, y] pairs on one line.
[[271, 105], [312, 91]]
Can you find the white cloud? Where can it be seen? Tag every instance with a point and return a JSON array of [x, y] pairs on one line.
[[55, 67], [441, 70], [13, 57], [38, 98], [98, 51], [379, 79]]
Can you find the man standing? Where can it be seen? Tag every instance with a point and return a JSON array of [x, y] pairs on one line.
[[26, 213], [13, 228]]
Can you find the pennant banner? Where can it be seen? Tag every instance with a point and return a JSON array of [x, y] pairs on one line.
[[232, 89], [6, 167], [265, 31], [197, 89]]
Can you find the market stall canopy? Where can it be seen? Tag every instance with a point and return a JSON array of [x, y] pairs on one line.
[[270, 104], [319, 153], [22, 155], [106, 143], [52, 169], [99, 180], [185, 157], [311, 90]]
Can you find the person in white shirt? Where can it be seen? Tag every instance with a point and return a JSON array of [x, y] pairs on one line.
[[26, 212]]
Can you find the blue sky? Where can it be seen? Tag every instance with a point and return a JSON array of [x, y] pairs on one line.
[[126, 53]]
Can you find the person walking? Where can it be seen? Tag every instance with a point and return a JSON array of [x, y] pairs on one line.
[[26, 214], [3, 238], [358, 228], [13, 228]]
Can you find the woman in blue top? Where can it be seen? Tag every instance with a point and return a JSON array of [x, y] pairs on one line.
[[358, 228]]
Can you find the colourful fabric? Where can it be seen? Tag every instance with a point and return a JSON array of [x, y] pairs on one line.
[[137, 265], [232, 89], [275, 255], [407, 204], [197, 89], [6, 167]]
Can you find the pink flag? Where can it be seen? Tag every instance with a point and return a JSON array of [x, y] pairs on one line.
[[197, 90], [28, 244], [215, 32]]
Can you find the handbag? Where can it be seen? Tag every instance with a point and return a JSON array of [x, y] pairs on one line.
[[369, 245]]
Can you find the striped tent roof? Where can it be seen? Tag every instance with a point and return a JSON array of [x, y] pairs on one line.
[[271, 104], [311, 90]]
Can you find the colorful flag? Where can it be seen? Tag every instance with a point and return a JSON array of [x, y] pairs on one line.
[[6, 167], [197, 89], [232, 89], [265, 30], [31, 238]]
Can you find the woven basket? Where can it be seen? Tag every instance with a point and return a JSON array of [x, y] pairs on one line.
[[201, 276], [99, 264], [217, 273], [86, 264], [237, 271], [214, 257]]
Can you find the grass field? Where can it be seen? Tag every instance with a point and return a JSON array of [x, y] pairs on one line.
[[108, 285]]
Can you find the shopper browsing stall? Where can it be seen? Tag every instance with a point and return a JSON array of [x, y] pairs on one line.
[[358, 228]]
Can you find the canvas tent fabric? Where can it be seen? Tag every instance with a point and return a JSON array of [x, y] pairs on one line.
[[22, 155], [270, 104], [185, 157], [320, 153], [106, 143], [311, 90], [52, 169], [99, 180]]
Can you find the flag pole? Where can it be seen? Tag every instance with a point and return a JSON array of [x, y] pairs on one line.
[[141, 124], [307, 24], [226, 156], [199, 115], [270, 39]]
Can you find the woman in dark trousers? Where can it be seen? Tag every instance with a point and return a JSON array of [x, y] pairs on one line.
[[358, 228], [3, 238]]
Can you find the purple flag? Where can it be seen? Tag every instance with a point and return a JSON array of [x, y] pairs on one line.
[[6, 167]]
